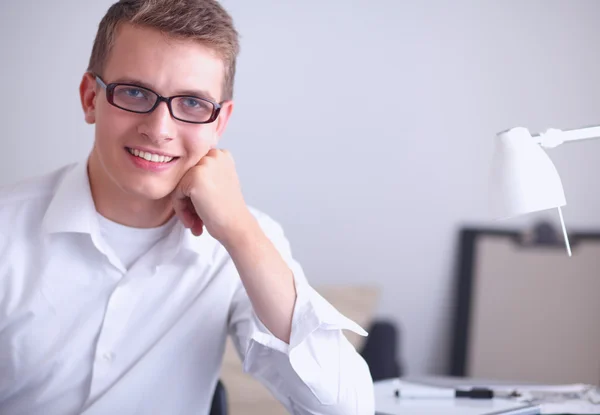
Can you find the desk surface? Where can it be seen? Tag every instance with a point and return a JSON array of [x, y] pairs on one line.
[[387, 404]]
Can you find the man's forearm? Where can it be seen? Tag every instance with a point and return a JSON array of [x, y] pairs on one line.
[[266, 277]]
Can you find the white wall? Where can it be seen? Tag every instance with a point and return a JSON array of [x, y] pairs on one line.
[[365, 127]]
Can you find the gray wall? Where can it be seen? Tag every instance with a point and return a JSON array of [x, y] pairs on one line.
[[364, 127]]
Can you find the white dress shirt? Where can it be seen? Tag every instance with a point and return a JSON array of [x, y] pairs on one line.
[[91, 326]]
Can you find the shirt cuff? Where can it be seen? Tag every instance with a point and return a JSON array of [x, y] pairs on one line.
[[315, 352]]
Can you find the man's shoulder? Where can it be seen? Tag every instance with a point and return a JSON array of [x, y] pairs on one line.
[[35, 191]]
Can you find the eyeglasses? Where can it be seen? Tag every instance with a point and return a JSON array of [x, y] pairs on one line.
[[134, 98]]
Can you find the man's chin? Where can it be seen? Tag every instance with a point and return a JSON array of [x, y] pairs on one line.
[[152, 193]]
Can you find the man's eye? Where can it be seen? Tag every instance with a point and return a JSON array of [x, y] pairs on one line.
[[191, 102], [134, 92]]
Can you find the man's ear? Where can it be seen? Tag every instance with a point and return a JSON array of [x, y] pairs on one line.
[[87, 93], [226, 110]]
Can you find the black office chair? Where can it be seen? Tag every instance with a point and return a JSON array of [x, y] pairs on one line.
[[380, 350], [219, 402]]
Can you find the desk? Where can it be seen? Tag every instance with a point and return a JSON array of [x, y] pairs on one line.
[[384, 397]]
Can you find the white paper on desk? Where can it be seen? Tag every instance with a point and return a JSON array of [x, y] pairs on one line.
[[571, 406]]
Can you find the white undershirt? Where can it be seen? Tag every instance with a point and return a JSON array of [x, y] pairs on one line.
[[129, 244]]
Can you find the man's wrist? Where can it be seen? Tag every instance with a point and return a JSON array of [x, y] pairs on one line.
[[247, 232]]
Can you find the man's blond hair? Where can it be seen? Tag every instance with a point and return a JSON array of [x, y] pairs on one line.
[[205, 21]]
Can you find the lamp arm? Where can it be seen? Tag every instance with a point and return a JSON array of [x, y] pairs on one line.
[[584, 133]]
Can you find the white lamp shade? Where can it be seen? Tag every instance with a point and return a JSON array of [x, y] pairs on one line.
[[524, 179]]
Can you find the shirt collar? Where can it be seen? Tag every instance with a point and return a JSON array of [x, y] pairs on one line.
[[72, 210]]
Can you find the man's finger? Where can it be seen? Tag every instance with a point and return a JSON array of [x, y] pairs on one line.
[[183, 211], [197, 227]]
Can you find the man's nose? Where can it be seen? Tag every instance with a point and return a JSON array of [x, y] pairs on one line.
[[158, 125]]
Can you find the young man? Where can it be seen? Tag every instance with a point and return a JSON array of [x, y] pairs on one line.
[[121, 276]]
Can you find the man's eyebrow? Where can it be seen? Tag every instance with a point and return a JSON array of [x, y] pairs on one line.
[[191, 92]]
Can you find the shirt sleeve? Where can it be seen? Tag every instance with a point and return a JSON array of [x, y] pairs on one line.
[[319, 371]]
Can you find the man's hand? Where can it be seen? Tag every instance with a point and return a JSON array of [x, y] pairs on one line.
[[209, 194]]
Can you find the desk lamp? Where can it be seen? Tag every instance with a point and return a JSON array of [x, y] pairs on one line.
[[524, 179]]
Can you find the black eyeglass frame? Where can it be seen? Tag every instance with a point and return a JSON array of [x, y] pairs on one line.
[[110, 88]]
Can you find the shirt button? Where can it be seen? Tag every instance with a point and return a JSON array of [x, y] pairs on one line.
[[108, 356]]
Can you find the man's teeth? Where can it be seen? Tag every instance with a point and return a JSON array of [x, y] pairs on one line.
[[149, 156]]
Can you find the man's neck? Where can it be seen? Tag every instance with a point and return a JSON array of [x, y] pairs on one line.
[[123, 208]]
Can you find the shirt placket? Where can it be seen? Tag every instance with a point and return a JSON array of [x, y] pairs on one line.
[[119, 308]]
